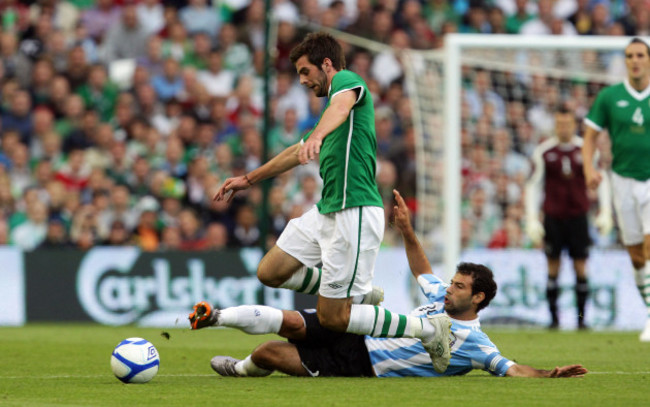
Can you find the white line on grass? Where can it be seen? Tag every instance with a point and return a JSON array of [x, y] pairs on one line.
[[96, 376], [627, 373]]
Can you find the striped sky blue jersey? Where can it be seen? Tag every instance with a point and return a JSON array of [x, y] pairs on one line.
[[471, 348]]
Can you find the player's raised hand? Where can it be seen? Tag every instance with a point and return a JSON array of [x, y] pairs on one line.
[[593, 177], [310, 149], [232, 185], [402, 216], [568, 371]]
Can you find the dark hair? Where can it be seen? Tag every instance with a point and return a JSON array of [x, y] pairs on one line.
[[637, 40], [482, 281], [317, 47]]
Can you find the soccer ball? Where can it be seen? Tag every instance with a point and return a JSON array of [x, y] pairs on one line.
[[135, 360]]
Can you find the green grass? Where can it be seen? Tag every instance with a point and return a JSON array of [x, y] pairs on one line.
[[44, 365]]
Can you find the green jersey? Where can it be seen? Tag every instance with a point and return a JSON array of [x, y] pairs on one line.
[[625, 113], [348, 155]]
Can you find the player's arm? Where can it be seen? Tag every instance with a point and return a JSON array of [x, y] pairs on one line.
[[418, 261], [592, 175], [517, 370], [282, 162], [336, 114]]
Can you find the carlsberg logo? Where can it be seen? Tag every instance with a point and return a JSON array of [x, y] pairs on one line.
[[110, 295]]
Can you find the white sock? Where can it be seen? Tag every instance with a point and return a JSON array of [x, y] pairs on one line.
[[252, 319], [379, 322], [246, 367], [306, 280]]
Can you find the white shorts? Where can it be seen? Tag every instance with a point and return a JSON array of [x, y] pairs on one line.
[[632, 206], [345, 242]]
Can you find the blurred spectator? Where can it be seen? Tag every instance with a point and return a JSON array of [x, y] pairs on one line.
[[118, 235], [77, 69], [191, 233], [169, 84], [56, 236], [19, 116], [199, 54], [236, 56], [152, 60], [31, 233], [198, 17], [15, 64], [216, 237], [171, 238], [285, 134], [100, 18], [150, 15], [521, 16], [246, 232], [219, 82], [126, 38], [543, 23], [75, 172], [145, 234], [175, 44]]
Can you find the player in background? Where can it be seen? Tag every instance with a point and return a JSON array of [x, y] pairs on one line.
[[345, 229], [315, 351], [624, 110], [558, 175]]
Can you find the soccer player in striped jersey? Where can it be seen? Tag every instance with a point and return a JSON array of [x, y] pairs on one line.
[[315, 351], [624, 110], [344, 230]]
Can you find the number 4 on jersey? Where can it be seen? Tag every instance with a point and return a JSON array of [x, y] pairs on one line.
[[637, 117]]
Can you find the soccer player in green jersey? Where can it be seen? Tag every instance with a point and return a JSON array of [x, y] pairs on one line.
[[624, 110], [344, 230]]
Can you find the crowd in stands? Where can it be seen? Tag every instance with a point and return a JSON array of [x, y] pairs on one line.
[[90, 157]]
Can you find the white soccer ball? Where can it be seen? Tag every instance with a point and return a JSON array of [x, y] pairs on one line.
[[135, 360]]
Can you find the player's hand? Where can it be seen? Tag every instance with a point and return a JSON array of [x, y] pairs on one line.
[[535, 231], [568, 371], [310, 149], [402, 216], [593, 177], [604, 223], [228, 189]]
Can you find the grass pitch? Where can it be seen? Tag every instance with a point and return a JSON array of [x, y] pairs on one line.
[[68, 365]]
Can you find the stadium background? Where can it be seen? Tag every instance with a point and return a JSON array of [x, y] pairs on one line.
[[119, 120]]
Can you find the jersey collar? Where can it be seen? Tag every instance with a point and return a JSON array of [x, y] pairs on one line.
[[635, 93], [472, 322]]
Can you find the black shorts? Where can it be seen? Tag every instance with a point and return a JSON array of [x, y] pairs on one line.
[[571, 234], [328, 353]]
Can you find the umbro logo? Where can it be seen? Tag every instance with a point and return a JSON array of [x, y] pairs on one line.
[[622, 103], [335, 286]]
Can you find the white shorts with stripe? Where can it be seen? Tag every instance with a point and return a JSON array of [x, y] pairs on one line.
[[632, 206], [346, 243]]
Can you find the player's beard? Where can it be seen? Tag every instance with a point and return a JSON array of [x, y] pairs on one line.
[[456, 308], [322, 85]]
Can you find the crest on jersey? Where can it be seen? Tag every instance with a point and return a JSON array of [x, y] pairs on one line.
[[452, 339], [622, 103]]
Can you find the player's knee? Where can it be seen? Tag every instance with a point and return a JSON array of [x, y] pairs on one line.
[[267, 278], [265, 356], [334, 321], [266, 273]]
